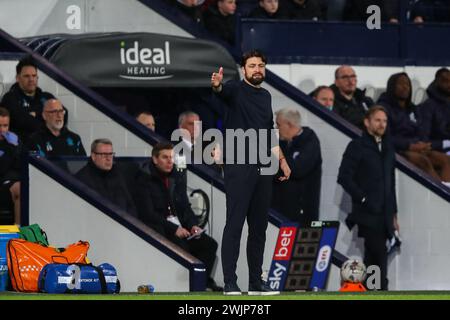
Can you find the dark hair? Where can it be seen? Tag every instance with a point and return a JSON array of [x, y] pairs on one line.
[[250, 54], [440, 72], [392, 82], [161, 146], [4, 112], [316, 91], [25, 62], [148, 113], [374, 109]]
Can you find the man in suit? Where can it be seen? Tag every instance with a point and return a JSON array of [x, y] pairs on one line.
[[367, 174]]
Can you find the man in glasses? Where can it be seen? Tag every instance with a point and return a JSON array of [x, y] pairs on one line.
[[101, 175], [55, 139], [350, 102], [25, 100]]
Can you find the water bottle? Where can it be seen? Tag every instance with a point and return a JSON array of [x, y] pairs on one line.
[[146, 288]]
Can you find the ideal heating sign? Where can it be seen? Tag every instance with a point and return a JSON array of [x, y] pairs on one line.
[[302, 256]]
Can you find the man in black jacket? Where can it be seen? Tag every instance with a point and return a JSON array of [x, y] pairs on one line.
[[101, 175], [25, 100], [9, 164], [220, 19], [248, 184], [299, 197], [268, 9], [301, 9], [161, 198], [435, 111], [367, 174], [350, 102], [55, 139]]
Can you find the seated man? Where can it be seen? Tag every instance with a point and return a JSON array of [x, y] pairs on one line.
[[220, 19], [430, 11], [193, 146], [302, 9], [268, 9], [55, 139], [405, 126], [191, 8], [350, 102], [147, 119], [325, 96], [299, 197], [25, 100], [435, 111], [9, 163], [163, 205], [101, 175], [189, 121]]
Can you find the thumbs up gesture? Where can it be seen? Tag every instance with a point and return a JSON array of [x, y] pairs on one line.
[[216, 78]]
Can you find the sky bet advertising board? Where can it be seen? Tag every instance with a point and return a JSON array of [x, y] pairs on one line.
[[302, 257]]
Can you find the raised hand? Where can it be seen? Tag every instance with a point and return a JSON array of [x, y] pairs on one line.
[[216, 78]]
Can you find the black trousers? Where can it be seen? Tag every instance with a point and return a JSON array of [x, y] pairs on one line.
[[248, 195], [203, 248], [375, 252]]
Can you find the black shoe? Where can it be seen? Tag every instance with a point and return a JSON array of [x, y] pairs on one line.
[[231, 289], [212, 286], [261, 289]]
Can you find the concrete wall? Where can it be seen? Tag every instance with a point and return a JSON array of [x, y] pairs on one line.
[[66, 219], [81, 16]]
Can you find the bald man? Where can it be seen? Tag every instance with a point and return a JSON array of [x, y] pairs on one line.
[[350, 102], [55, 139]]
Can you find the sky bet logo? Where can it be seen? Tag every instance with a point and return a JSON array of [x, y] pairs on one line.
[[281, 257], [144, 63]]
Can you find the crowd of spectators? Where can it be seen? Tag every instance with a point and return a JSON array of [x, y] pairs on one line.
[[31, 120], [421, 133], [219, 16]]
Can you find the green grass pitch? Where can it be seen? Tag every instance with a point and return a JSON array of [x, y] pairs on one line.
[[391, 295]]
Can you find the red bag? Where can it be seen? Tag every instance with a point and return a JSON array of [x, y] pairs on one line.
[[26, 260]]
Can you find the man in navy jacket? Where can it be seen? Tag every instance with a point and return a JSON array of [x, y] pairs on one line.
[[248, 186], [435, 111], [367, 174], [25, 100], [299, 197]]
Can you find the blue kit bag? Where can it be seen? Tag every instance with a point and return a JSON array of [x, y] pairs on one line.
[[78, 278]]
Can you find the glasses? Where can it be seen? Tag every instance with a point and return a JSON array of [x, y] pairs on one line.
[[349, 77], [59, 111], [105, 154]]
